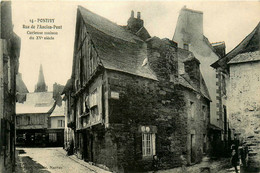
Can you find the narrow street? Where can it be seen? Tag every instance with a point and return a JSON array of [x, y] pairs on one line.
[[51, 160], [54, 160]]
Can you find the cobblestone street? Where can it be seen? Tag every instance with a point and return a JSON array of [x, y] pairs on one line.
[[213, 166], [51, 160], [54, 160]]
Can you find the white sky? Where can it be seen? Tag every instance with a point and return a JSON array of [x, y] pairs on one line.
[[229, 21]]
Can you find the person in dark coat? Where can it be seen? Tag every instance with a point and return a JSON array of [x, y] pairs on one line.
[[234, 157]]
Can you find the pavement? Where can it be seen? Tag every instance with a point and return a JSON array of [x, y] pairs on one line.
[[52, 160]]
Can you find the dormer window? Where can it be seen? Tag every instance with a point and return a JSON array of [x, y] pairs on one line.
[[186, 46]]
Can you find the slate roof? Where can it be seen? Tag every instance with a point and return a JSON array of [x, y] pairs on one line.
[[106, 26], [250, 44], [36, 102], [117, 48], [120, 50], [58, 110], [246, 57], [184, 55]]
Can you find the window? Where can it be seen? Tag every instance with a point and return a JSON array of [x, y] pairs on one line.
[[204, 112], [148, 142], [95, 114], [94, 111], [28, 120], [90, 60], [61, 123], [224, 85], [192, 110], [93, 98], [204, 143], [42, 119], [185, 46], [52, 137]]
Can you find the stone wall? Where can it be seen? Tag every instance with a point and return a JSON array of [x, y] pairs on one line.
[[197, 125], [145, 102], [244, 106], [133, 101]]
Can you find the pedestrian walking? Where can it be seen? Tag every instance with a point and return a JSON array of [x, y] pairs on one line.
[[234, 158]]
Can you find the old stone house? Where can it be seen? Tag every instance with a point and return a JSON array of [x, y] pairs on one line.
[[9, 62], [40, 118], [127, 101], [189, 35], [242, 67]]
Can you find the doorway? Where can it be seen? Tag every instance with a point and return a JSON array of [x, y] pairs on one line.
[[192, 150]]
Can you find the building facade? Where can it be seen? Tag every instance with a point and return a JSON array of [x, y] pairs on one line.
[[32, 118], [40, 117], [242, 67], [126, 100], [56, 129], [9, 57], [189, 35]]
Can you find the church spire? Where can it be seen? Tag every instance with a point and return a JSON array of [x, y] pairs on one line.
[[40, 86]]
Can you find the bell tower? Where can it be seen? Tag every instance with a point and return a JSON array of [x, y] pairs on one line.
[[41, 86]]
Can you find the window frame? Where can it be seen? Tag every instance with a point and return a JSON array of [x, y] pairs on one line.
[[61, 123], [192, 111], [204, 112], [147, 145]]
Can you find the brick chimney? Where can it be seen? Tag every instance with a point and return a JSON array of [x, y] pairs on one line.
[[135, 24], [192, 68]]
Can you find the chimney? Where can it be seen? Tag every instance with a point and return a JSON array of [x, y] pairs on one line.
[[138, 15], [135, 24], [192, 68], [132, 14], [189, 28]]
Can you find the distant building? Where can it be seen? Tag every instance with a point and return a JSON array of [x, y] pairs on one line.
[[40, 118], [127, 101], [189, 36], [242, 66], [10, 45]]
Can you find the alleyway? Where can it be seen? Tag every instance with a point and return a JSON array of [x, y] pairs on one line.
[[54, 160], [51, 160]]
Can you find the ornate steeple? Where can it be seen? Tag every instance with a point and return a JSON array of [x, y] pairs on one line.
[[41, 86]]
